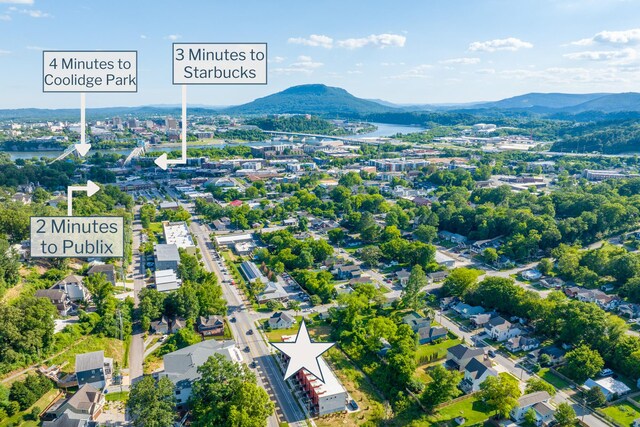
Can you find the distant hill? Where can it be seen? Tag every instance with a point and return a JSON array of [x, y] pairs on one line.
[[611, 103], [546, 100], [312, 99]]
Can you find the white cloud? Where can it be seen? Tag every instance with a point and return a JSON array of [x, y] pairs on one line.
[[5, 18], [624, 37], [320, 40], [304, 64], [486, 71], [460, 61], [574, 75], [143, 36], [35, 13], [604, 55], [382, 40], [17, 1], [510, 44], [277, 59], [417, 72], [354, 72], [173, 37], [4, 52], [313, 40], [36, 48]]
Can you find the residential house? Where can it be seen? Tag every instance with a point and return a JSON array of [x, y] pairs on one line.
[[539, 402], [160, 326], [85, 404], [531, 275], [501, 329], [467, 311], [428, 334], [452, 237], [66, 421], [344, 272], [438, 276], [611, 388], [607, 302], [479, 246], [521, 343], [176, 324], [556, 354], [444, 260], [475, 372], [274, 291], [109, 271], [480, 320], [280, 320], [460, 355], [58, 298], [181, 366], [93, 368], [166, 257], [403, 276], [552, 282], [629, 309], [415, 321], [73, 286], [210, 325], [166, 280]]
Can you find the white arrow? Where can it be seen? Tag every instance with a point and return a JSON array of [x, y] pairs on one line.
[[83, 148], [162, 161], [91, 188]]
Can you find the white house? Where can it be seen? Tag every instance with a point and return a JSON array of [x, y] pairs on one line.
[[476, 371], [501, 329], [611, 388], [73, 286], [538, 402]]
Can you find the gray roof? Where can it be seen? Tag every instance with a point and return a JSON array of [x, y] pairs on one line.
[[89, 361], [477, 368], [85, 398], [52, 294], [431, 332], [65, 421], [498, 321], [461, 351], [533, 398], [281, 315], [164, 252], [181, 366], [102, 268], [543, 409]]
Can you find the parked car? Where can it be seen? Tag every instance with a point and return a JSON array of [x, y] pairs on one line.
[[250, 332], [606, 372], [491, 353]]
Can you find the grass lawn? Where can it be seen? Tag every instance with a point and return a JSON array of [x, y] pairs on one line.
[[552, 378], [19, 418], [318, 330], [622, 413], [426, 350], [359, 388], [473, 411], [156, 227], [121, 396], [227, 335], [112, 348]]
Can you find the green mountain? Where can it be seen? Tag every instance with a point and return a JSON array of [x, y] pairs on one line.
[[311, 99], [545, 100]]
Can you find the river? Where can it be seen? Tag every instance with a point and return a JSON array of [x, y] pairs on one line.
[[382, 130]]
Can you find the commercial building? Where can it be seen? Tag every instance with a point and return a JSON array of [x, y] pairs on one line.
[[166, 257], [321, 398], [166, 280], [398, 165], [177, 233]]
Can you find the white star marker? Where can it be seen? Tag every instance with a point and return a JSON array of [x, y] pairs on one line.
[[303, 354]]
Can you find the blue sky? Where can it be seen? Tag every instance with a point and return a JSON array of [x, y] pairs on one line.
[[401, 51]]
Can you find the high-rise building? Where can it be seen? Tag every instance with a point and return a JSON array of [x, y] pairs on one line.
[[170, 123]]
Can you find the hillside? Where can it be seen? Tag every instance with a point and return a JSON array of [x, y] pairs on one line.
[[612, 103], [311, 99], [545, 100]]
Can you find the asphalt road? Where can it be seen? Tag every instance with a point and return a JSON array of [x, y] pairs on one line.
[[268, 373], [136, 350]]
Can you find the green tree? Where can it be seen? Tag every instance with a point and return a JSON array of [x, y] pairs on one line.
[[582, 362], [530, 418], [536, 384], [370, 255], [151, 403], [426, 233], [411, 294], [315, 300], [501, 393], [442, 387], [595, 397], [226, 394], [490, 255], [460, 281], [294, 305], [565, 416], [545, 266]]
